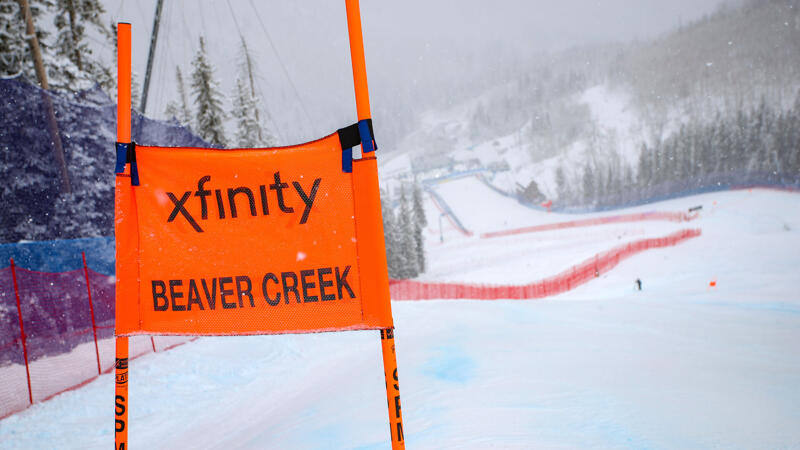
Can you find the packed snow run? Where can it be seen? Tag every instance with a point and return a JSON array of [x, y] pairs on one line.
[[705, 355]]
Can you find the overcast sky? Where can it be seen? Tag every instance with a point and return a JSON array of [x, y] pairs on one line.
[[412, 46]]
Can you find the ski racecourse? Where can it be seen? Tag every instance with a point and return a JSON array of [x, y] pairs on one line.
[[705, 356]]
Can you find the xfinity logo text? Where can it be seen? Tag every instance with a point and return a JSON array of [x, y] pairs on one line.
[[247, 198]]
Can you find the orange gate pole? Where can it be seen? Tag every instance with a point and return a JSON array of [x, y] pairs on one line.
[[123, 135], [392, 388], [362, 106]]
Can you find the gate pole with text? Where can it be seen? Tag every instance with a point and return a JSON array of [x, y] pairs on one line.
[[123, 135], [373, 238]]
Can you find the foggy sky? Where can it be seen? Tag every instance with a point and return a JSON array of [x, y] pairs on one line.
[[414, 48]]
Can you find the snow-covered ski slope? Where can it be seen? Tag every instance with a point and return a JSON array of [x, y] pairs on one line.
[[525, 257], [679, 364]]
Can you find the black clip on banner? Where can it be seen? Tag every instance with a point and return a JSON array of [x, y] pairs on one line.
[[356, 134], [126, 154]]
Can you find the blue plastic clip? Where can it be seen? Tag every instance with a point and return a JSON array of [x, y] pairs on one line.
[[347, 160], [126, 153], [122, 157], [134, 174], [367, 145]]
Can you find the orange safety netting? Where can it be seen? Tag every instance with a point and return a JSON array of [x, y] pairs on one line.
[[557, 284]]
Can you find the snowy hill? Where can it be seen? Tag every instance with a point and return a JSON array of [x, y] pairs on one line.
[[679, 364], [580, 126]]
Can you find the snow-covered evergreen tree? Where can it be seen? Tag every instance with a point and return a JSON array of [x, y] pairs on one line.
[[408, 264], [390, 238], [419, 246], [71, 20], [14, 42], [244, 107], [13, 47], [250, 116], [171, 111], [207, 100], [76, 215], [589, 184], [136, 91], [419, 211], [184, 114], [562, 188]]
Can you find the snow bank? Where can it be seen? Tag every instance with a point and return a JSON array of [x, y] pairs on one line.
[[676, 365]]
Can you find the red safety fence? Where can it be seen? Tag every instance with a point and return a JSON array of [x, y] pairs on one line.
[[57, 333], [637, 217], [562, 282]]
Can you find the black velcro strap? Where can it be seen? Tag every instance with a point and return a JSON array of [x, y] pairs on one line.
[[126, 154], [349, 137]]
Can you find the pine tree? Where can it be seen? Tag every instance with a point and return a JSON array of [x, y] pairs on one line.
[[419, 224], [408, 249], [247, 127], [71, 20], [172, 111], [81, 213], [562, 189], [262, 136], [136, 91], [419, 247], [611, 187], [627, 187], [793, 138], [12, 39], [184, 114], [207, 100], [589, 185], [419, 211], [75, 216], [600, 187], [645, 168], [14, 44], [390, 238]]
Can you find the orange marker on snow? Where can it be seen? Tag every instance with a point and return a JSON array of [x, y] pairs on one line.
[[712, 283]]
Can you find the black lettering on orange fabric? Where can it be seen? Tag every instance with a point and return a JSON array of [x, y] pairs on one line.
[[270, 300], [203, 193], [179, 208], [307, 298], [232, 200], [307, 199], [211, 296], [278, 187], [321, 272], [223, 292], [289, 287], [193, 297], [176, 295], [242, 291], [341, 282], [159, 293]]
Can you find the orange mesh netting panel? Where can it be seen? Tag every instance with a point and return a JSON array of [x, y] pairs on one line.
[[246, 241]]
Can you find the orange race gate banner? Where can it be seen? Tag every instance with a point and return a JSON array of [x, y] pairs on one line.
[[250, 241]]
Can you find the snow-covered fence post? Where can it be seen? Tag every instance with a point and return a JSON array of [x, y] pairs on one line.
[[21, 330], [91, 312]]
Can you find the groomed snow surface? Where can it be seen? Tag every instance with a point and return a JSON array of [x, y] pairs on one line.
[[679, 364]]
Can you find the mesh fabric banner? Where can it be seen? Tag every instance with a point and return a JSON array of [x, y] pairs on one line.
[[249, 241]]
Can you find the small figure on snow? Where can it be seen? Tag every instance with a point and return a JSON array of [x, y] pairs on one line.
[[638, 284]]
